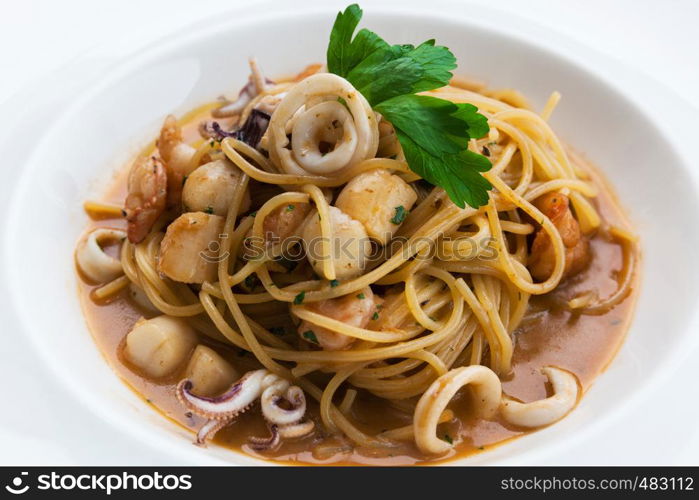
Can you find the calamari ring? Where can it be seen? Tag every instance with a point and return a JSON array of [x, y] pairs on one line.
[[544, 411], [435, 399], [315, 115], [92, 259]]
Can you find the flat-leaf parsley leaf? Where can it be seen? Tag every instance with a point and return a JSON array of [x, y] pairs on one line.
[[434, 133]]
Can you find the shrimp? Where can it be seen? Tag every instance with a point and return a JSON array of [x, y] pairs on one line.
[[355, 309], [147, 186], [176, 156], [556, 207]]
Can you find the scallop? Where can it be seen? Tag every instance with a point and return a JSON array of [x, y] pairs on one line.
[[211, 187], [160, 346], [189, 251], [209, 373], [379, 200], [350, 246]]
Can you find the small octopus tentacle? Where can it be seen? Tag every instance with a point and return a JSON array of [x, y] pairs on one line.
[[283, 422], [209, 429], [268, 443], [234, 108], [274, 383], [235, 400], [296, 430], [257, 83], [274, 413]]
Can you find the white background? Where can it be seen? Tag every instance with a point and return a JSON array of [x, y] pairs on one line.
[[658, 38]]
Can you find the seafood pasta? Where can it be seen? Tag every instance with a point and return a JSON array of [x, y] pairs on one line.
[[371, 261]]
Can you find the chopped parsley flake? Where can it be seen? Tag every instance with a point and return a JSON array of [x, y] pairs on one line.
[[251, 281], [399, 217], [310, 336], [277, 330], [299, 298]]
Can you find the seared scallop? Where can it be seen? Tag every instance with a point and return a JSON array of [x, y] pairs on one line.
[[189, 251], [160, 346], [379, 200], [350, 246], [211, 187], [209, 373]]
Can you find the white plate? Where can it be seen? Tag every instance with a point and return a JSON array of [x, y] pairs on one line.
[[75, 153]]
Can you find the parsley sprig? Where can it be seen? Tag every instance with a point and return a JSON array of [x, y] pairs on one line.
[[434, 133]]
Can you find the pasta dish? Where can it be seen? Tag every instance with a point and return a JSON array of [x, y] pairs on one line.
[[371, 261]]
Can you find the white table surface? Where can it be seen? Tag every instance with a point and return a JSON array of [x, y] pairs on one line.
[[659, 39]]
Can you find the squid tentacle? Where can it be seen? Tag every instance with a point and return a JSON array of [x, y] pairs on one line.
[[220, 411], [274, 413], [268, 443], [209, 429], [228, 405], [296, 430]]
